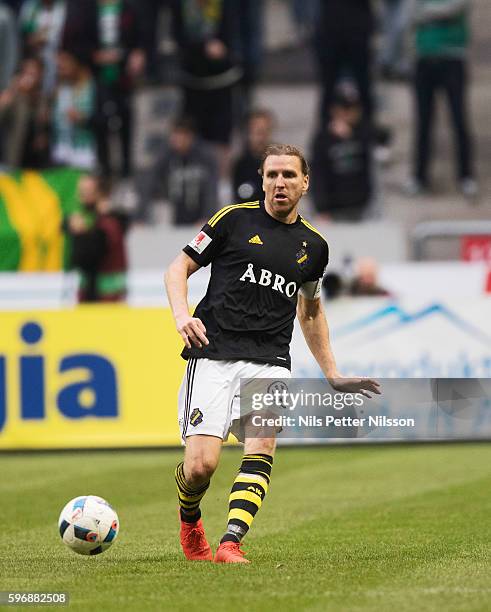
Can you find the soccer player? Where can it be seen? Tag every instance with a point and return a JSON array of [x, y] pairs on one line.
[[267, 265]]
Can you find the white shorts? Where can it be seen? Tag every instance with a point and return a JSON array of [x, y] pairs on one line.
[[209, 397]]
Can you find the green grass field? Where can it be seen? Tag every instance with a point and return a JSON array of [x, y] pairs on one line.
[[348, 528]]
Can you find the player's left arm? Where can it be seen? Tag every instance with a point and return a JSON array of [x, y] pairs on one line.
[[310, 313]]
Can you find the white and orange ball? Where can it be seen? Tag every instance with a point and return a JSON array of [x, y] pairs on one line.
[[88, 525]]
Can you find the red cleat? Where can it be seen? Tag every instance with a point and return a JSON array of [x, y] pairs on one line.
[[229, 552], [194, 543]]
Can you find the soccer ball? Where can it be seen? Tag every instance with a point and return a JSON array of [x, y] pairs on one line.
[[88, 525]]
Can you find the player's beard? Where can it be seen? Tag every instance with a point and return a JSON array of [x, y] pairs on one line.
[[283, 209]]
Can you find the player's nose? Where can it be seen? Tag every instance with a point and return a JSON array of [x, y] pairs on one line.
[[280, 181]]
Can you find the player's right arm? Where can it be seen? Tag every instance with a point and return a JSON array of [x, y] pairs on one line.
[[190, 328], [201, 251]]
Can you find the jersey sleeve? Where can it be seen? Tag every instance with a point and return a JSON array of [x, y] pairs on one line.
[[311, 288], [209, 242]]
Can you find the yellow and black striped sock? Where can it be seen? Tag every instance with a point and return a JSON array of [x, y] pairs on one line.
[[246, 497], [189, 498]]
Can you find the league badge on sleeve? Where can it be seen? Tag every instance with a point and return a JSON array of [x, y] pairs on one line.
[[200, 242]]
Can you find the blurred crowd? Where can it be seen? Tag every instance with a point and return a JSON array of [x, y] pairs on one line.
[[69, 71]]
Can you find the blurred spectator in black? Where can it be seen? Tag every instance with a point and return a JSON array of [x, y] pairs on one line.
[[73, 140], [8, 45], [304, 17], [247, 182], [149, 12], [186, 174], [80, 27], [24, 118], [393, 61], [205, 31], [343, 48], [442, 44], [98, 243], [15, 5], [341, 184], [365, 282], [248, 45], [41, 24], [119, 61]]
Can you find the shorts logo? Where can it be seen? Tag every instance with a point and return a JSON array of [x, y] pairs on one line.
[[278, 386], [196, 417], [200, 242]]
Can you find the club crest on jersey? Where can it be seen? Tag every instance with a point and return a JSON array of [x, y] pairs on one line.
[[196, 417], [266, 278], [302, 257], [200, 242]]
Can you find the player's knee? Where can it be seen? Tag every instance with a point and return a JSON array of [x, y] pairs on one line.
[[199, 471]]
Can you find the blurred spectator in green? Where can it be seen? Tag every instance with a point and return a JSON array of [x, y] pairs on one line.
[[442, 46], [73, 140], [41, 24]]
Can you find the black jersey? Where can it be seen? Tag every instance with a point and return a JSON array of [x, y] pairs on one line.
[[258, 266]]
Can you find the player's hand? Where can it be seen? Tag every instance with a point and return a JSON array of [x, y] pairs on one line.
[[345, 384], [192, 331]]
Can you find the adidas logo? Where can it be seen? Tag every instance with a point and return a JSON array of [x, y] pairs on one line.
[[255, 240]]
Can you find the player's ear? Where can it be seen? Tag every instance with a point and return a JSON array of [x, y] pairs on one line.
[[262, 178], [306, 183]]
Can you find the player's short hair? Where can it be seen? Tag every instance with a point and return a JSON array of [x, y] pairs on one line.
[[284, 149]]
